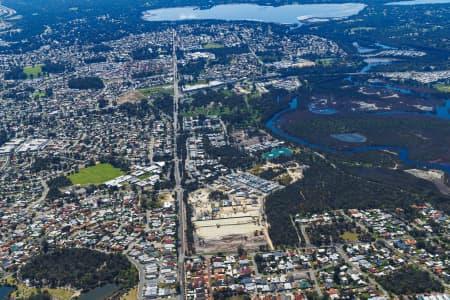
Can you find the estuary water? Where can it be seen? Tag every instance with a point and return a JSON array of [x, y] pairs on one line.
[[4, 292], [418, 2], [100, 293], [286, 14], [403, 153]]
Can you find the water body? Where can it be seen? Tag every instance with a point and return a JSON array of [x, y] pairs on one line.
[[277, 152], [390, 87], [286, 14], [442, 112], [418, 2], [373, 62], [350, 137], [100, 293], [321, 111], [5, 291], [402, 152], [362, 49], [385, 47]]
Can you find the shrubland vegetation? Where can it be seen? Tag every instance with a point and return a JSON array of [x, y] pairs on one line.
[[55, 184], [410, 281], [79, 268], [427, 138], [341, 183], [85, 83], [239, 110]]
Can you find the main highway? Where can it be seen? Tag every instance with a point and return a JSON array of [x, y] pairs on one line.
[[178, 187]]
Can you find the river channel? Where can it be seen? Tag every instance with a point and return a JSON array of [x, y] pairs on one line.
[[442, 112]]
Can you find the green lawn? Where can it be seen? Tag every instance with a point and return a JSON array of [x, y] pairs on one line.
[[145, 176], [443, 88], [39, 94], [24, 291], [158, 89], [97, 174], [213, 46], [208, 111], [33, 71], [350, 236]]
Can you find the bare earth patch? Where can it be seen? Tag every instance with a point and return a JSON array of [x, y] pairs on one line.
[[224, 228], [435, 176], [131, 96]]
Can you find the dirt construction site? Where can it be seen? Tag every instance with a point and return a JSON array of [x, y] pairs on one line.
[[227, 214]]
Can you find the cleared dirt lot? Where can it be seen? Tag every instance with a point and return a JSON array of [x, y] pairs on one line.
[[224, 224], [132, 96]]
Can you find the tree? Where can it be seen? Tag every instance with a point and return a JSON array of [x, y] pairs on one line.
[[410, 280], [102, 103], [84, 83], [44, 246], [241, 251], [81, 268]]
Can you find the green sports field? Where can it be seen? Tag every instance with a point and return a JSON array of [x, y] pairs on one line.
[[213, 46], [157, 90], [97, 174], [33, 71], [350, 236]]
